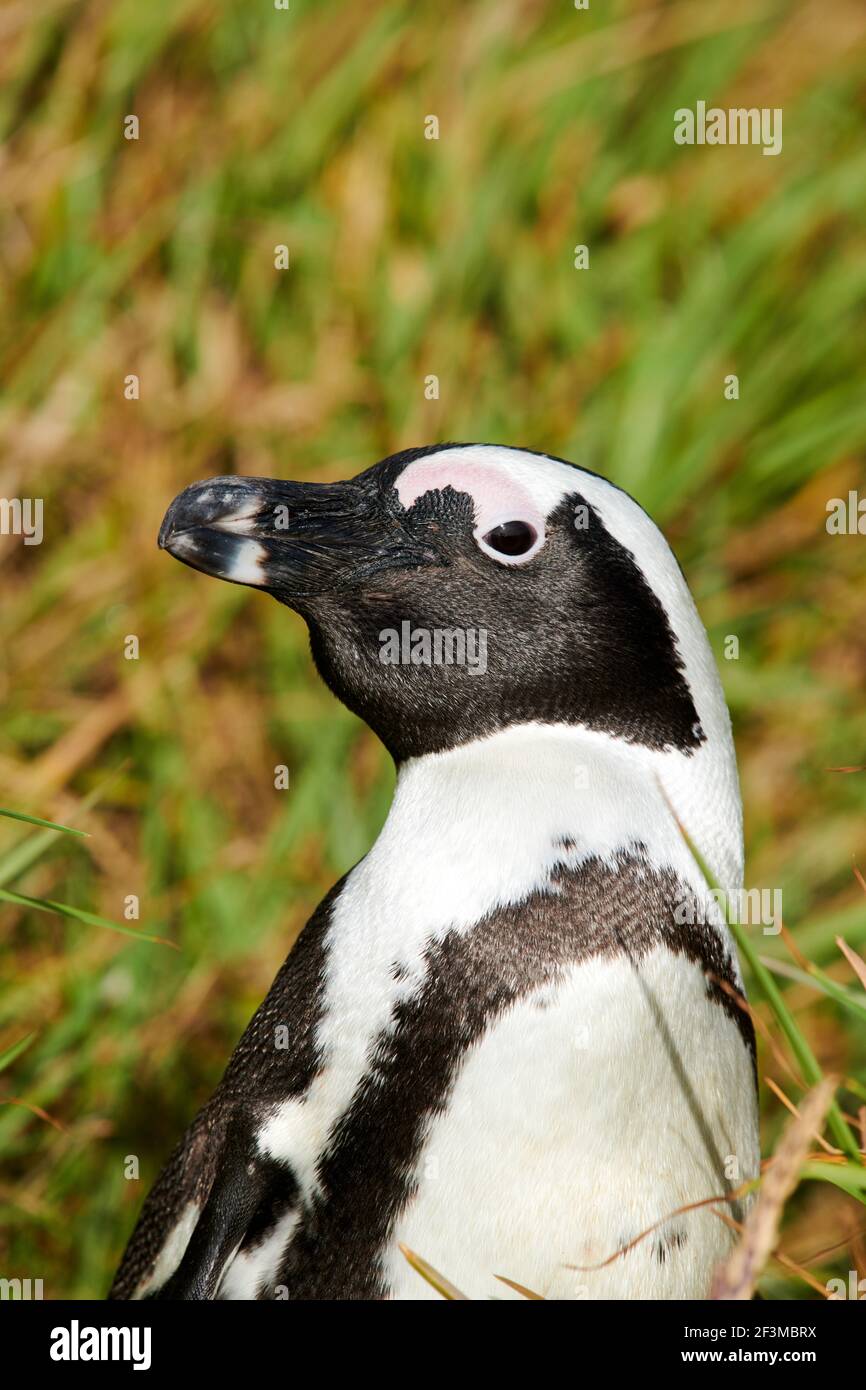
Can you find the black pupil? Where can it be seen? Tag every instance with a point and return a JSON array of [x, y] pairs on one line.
[[511, 538]]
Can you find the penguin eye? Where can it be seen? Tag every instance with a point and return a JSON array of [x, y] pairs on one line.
[[511, 538]]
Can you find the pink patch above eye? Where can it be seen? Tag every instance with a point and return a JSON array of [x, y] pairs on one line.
[[495, 497]]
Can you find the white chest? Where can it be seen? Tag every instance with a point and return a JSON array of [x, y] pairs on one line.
[[592, 1107], [592, 1111]]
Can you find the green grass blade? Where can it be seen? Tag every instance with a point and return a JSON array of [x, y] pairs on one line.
[[79, 914], [802, 1051], [851, 1177], [37, 820], [799, 1046], [855, 1003], [19, 859], [7, 1057]]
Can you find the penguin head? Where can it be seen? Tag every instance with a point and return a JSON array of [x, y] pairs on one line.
[[454, 591]]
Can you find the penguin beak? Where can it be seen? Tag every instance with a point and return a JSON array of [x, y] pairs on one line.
[[295, 540]]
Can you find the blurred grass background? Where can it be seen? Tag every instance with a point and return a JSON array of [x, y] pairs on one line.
[[409, 257]]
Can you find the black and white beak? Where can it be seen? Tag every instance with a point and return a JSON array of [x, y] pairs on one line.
[[296, 540]]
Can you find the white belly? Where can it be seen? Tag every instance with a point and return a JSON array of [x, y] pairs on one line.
[[588, 1113]]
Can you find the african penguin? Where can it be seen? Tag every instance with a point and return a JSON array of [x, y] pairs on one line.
[[517, 1035]]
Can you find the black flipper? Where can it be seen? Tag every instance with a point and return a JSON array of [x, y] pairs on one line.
[[216, 1164], [243, 1184], [187, 1177]]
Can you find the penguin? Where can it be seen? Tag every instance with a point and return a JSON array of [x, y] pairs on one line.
[[517, 1038]]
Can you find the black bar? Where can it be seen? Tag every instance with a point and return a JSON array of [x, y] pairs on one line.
[[261, 1338]]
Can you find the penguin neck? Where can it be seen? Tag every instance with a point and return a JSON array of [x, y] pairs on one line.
[[529, 793]]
